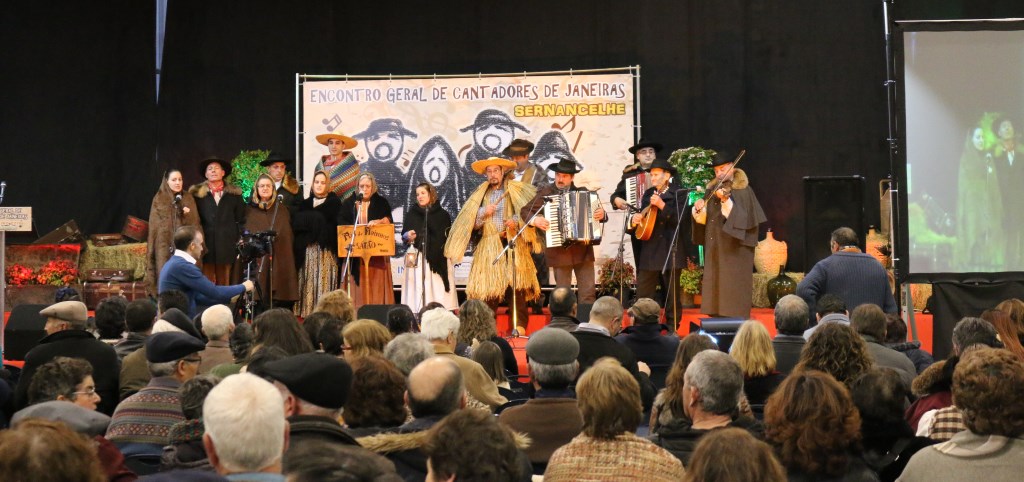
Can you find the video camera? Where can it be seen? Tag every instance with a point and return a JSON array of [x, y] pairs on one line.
[[254, 245]]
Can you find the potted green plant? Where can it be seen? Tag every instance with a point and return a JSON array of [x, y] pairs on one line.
[[693, 166], [616, 279], [690, 280], [245, 168]]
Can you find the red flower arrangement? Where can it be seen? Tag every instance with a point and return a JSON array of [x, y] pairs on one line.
[[57, 273], [18, 275]]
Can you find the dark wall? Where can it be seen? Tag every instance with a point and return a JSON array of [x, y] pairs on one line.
[[796, 83]]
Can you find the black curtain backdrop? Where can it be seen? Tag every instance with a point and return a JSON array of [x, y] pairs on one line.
[[952, 301], [796, 83]]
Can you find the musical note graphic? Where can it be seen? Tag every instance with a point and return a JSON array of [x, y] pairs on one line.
[[562, 127], [576, 144], [328, 122]]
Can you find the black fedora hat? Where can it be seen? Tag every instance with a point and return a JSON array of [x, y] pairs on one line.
[[225, 165], [721, 159], [642, 143], [662, 164], [275, 156], [565, 166], [385, 125]]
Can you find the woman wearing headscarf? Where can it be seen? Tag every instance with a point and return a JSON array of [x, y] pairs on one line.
[[368, 207], [436, 163], [319, 274], [433, 279], [264, 214], [222, 214], [172, 208]]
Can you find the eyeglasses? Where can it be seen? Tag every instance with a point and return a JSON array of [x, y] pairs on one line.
[[193, 360], [90, 392]]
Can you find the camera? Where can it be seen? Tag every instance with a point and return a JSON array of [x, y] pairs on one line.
[[254, 245]]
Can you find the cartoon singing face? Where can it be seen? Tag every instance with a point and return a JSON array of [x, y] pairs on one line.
[[384, 140], [435, 165]]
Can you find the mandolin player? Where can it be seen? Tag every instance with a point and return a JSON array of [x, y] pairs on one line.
[[659, 215]]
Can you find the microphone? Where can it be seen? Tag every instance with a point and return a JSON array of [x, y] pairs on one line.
[[3, 187], [359, 196], [280, 197], [177, 198]]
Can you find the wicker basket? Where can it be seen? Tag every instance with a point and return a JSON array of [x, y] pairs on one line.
[[769, 254]]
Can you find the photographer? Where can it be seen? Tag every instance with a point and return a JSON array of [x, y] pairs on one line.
[[181, 273]]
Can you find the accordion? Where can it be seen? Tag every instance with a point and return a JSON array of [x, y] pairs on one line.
[[635, 188], [570, 218]]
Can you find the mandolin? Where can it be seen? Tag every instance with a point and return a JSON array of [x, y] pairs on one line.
[[648, 216]]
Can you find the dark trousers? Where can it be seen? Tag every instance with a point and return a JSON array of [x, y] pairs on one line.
[[586, 288], [651, 284]]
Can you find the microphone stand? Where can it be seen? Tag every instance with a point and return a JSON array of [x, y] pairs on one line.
[[174, 218], [423, 254], [620, 258], [672, 256], [271, 234], [511, 245], [351, 243]]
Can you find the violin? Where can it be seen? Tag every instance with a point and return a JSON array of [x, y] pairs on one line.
[[722, 183]]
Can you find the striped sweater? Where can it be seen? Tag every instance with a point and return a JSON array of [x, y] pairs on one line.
[[147, 416]]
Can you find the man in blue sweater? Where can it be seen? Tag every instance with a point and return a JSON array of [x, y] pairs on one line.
[[181, 273], [855, 277]]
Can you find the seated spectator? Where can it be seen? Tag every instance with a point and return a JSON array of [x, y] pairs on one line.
[[401, 319], [648, 344], [66, 336], [815, 428], [790, 324], [896, 338], [39, 449], [1006, 331], [933, 388], [338, 304], [733, 454], [315, 387], [66, 293], [258, 360], [596, 341], [141, 422], [168, 299], [889, 443], [471, 445], [837, 350], [364, 338], [408, 350], [134, 367], [65, 379], [441, 328], [476, 322], [869, 322], [608, 448], [279, 327], [562, 305], [338, 463], [752, 350], [986, 386], [240, 342], [184, 448], [712, 386], [1015, 308], [218, 323], [139, 317], [246, 432], [377, 398], [551, 419], [110, 319], [668, 405], [435, 390], [312, 325], [489, 356], [329, 338], [830, 308]]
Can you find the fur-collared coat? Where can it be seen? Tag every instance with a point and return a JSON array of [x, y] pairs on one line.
[[164, 217], [286, 279], [290, 189], [222, 222]]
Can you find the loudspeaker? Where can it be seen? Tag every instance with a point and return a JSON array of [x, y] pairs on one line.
[[375, 312], [830, 202], [23, 331], [583, 312]]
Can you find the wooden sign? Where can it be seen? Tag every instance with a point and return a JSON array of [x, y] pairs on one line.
[[376, 240], [15, 219]]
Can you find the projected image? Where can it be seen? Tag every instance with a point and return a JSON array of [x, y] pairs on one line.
[[965, 180]]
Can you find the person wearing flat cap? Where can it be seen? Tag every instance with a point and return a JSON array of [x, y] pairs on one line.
[[576, 256], [727, 226], [551, 419], [384, 140], [644, 153], [339, 163], [315, 387], [222, 215], [493, 131], [276, 166], [142, 422], [645, 339], [492, 214], [66, 336]]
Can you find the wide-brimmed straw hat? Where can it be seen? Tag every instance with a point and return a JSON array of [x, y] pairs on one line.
[[480, 166], [349, 142]]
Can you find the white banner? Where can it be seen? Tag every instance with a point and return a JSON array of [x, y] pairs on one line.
[[415, 130]]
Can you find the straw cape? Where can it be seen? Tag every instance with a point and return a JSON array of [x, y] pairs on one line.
[[487, 281]]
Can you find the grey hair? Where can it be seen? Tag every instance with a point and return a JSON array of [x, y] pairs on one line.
[[553, 376], [244, 419], [408, 350], [719, 379], [972, 331], [605, 309], [439, 323], [164, 369], [791, 315]]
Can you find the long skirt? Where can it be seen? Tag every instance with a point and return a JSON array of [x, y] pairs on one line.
[[319, 275], [379, 288], [413, 287]]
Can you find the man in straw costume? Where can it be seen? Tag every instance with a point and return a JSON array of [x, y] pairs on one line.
[[491, 214]]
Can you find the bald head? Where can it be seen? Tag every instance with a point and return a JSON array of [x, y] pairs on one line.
[[435, 388]]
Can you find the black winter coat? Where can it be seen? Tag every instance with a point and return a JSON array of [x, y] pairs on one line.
[[223, 223], [106, 369]]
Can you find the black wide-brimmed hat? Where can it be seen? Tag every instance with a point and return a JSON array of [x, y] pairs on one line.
[[721, 159], [385, 125], [662, 164], [490, 117], [275, 156], [518, 147], [565, 166], [225, 165], [642, 143]]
